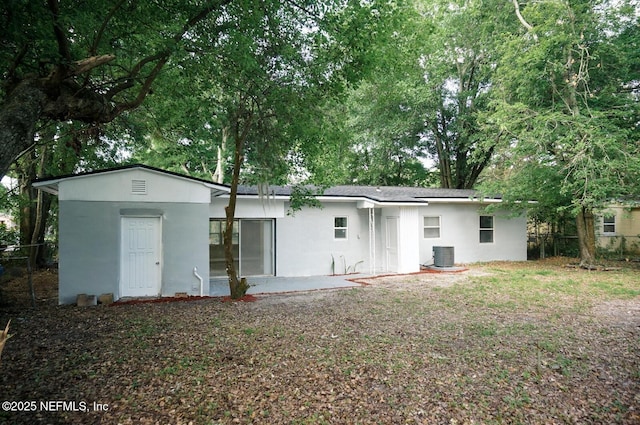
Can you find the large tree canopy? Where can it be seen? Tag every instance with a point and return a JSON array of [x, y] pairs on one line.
[[420, 103], [93, 61], [87, 61], [568, 102]]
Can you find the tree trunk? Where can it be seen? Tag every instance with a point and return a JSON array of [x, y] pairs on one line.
[[218, 175], [586, 237], [444, 165], [35, 204], [40, 215], [4, 336], [26, 172], [18, 118], [237, 287], [37, 251]]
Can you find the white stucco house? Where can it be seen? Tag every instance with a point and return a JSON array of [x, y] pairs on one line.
[[140, 231]]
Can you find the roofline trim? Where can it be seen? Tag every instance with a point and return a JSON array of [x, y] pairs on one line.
[[51, 183], [418, 201], [465, 200], [340, 198]]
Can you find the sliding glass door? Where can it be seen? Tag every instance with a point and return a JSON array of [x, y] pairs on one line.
[[256, 247], [253, 247], [216, 247]]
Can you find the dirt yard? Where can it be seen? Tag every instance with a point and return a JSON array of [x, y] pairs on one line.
[[534, 343]]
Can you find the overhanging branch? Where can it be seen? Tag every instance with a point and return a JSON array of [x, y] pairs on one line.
[[61, 38], [527, 25], [85, 65], [160, 59], [103, 27]]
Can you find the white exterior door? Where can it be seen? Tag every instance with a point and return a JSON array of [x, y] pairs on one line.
[[392, 244], [140, 257]]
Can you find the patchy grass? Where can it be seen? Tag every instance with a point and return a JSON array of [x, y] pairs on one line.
[[502, 343]]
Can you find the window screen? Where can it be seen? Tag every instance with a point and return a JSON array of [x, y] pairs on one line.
[[340, 227], [609, 224], [486, 229], [431, 227]]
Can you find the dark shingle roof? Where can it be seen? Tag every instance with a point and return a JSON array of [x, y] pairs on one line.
[[389, 194], [374, 193], [120, 168]]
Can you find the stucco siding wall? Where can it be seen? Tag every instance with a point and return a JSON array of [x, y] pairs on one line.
[[248, 208], [510, 239], [117, 187], [626, 238], [89, 246], [88, 250], [185, 241], [459, 227], [305, 241]]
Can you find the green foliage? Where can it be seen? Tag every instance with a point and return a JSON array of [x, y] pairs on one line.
[[385, 144], [304, 196], [562, 96], [129, 30], [270, 75], [194, 64], [418, 107], [8, 236], [381, 119], [7, 201]]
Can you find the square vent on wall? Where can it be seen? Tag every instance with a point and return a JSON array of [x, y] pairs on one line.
[[139, 187]]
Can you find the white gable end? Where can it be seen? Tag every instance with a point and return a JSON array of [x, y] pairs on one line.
[[133, 185]]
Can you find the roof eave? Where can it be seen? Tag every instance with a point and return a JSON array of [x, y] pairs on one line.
[[376, 202], [50, 186], [464, 200], [256, 196]]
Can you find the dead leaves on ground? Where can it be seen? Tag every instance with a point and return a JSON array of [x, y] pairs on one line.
[[367, 355]]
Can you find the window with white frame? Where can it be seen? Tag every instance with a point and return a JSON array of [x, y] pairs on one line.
[[431, 227], [609, 224], [486, 229], [340, 227]]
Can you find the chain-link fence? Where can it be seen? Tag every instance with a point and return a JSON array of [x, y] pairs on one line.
[[552, 245], [21, 282]]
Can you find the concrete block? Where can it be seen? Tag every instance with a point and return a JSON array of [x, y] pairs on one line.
[[84, 300], [105, 299]]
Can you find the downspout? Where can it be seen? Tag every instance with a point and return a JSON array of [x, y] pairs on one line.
[[195, 273], [372, 241]]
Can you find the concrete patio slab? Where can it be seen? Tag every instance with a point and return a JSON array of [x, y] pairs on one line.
[[219, 287]]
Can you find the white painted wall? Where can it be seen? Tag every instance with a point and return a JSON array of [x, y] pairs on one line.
[[305, 242], [116, 187], [248, 208], [460, 228], [90, 246], [91, 209]]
